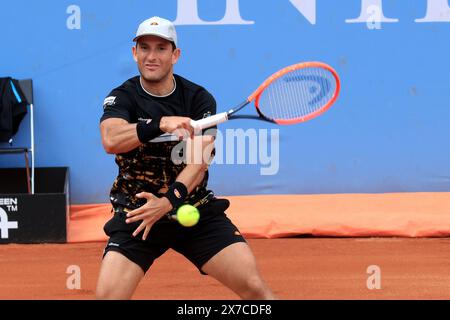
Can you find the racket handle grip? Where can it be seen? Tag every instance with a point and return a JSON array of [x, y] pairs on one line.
[[209, 122]]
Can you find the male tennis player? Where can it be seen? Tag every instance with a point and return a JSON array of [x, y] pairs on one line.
[[149, 185]]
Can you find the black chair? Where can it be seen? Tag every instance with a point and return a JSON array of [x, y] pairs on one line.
[[27, 89]]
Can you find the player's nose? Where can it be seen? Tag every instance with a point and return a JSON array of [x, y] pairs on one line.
[[151, 56]]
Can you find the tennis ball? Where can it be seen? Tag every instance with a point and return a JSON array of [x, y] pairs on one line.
[[188, 215]]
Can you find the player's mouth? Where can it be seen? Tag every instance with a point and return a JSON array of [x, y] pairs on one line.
[[152, 67]]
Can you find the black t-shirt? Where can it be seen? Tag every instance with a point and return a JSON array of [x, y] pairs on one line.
[[149, 168]]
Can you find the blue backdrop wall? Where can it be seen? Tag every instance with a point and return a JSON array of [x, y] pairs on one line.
[[388, 132]]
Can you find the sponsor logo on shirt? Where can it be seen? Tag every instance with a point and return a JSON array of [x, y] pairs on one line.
[[207, 115], [145, 120], [110, 101]]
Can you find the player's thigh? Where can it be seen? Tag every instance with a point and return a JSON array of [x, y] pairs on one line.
[[118, 277], [235, 266]]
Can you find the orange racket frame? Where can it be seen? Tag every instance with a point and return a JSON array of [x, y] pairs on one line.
[[256, 95]]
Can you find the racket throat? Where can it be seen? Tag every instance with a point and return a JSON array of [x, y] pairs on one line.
[[238, 108]]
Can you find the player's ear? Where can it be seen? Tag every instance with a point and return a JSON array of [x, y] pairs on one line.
[[134, 51], [176, 55]]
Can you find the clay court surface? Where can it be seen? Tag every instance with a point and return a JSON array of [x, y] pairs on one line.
[[296, 268]]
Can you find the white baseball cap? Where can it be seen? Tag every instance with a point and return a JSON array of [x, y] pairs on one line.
[[159, 27]]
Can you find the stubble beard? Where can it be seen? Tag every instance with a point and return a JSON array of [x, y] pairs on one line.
[[156, 78]]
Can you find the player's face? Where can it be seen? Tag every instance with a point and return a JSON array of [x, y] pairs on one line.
[[155, 58]]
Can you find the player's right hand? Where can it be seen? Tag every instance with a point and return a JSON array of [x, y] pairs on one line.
[[179, 126]]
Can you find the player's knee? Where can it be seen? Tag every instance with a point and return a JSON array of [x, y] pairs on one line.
[[102, 294], [254, 289], [105, 293]]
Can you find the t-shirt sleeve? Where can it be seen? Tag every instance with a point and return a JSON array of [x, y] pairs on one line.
[[117, 105], [204, 106]]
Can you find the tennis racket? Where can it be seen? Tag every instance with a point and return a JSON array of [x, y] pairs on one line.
[[294, 94]]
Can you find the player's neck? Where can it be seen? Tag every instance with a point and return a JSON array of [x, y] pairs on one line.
[[161, 88]]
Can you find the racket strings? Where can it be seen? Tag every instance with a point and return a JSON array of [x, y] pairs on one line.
[[298, 94]]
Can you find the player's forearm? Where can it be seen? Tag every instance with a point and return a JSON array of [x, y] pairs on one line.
[[120, 139], [198, 155], [192, 176]]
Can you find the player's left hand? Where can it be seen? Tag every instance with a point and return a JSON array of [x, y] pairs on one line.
[[149, 213]]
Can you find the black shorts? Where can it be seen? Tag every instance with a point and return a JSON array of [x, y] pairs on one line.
[[199, 243]]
